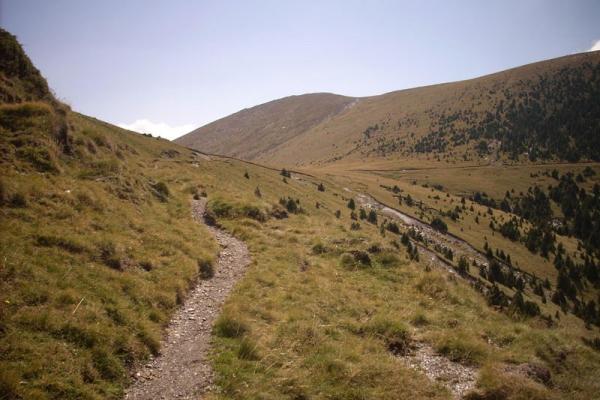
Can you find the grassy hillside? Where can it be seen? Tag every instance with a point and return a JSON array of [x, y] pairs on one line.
[[541, 111], [252, 133], [98, 248]]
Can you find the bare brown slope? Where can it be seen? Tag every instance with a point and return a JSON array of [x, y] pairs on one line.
[[257, 131], [445, 121]]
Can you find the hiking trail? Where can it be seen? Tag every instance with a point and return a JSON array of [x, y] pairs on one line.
[[182, 369]]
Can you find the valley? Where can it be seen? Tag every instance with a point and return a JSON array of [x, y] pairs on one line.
[[338, 248]]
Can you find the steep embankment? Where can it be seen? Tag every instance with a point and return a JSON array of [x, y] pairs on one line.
[[544, 110]]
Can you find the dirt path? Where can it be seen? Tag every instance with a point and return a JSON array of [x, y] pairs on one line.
[[182, 370]]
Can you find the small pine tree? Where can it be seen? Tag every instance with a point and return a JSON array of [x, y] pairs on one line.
[[439, 225], [246, 175], [351, 204], [372, 217], [338, 214], [405, 240], [463, 265], [362, 213], [321, 188], [257, 192]]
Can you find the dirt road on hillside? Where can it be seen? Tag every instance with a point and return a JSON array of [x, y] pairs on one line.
[[182, 370]]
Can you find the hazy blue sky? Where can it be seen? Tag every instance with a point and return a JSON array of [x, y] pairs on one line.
[[186, 63]]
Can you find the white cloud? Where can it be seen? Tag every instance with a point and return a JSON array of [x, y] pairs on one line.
[[595, 46], [158, 128]]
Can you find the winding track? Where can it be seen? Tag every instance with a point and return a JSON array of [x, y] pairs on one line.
[[182, 370]]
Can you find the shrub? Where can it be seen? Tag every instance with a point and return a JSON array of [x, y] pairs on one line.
[[394, 333], [78, 335], [39, 157], [161, 191], [10, 382], [439, 225], [372, 217], [419, 319], [374, 248], [463, 266], [354, 226], [109, 255], [3, 193], [278, 212], [18, 200], [98, 138], [462, 349], [392, 227], [150, 340], [205, 269], [351, 204], [101, 168], [221, 208], [523, 307], [593, 343], [319, 248], [62, 242], [228, 327], [147, 265], [16, 117], [362, 213], [290, 204], [247, 350], [253, 212], [347, 261], [361, 257], [210, 218], [388, 259], [109, 367], [433, 286], [320, 187]]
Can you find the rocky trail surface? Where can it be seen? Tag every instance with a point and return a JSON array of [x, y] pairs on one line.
[[182, 369], [458, 378]]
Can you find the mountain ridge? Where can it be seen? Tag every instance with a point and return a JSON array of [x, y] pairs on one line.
[[399, 124]]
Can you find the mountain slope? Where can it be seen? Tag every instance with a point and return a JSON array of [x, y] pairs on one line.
[[257, 131], [98, 249], [545, 110]]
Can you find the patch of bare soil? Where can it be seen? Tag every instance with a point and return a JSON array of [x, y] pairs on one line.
[[182, 370], [458, 378]]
